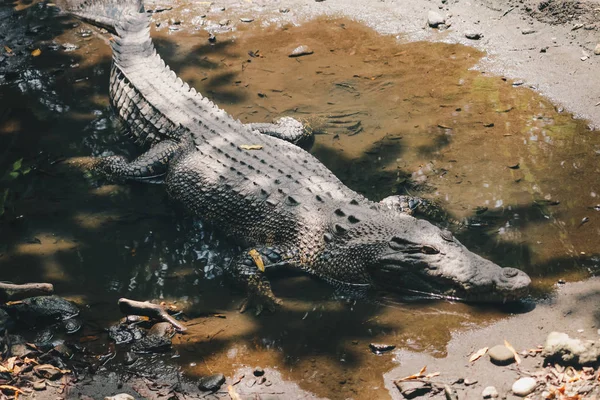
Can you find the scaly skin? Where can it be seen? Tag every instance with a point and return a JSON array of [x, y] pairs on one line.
[[278, 201]]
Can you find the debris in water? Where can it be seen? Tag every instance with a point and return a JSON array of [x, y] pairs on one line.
[[380, 348], [128, 306]]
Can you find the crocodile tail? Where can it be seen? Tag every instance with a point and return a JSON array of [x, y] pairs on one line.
[[108, 14]]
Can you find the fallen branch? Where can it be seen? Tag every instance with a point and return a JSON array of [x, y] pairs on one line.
[[12, 292], [148, 310]]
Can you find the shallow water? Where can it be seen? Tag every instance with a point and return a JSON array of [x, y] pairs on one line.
[[516, 176]]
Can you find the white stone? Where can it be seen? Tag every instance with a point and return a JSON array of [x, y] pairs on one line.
[[524, 386], [434, 19], [120, 396], [489, 392], [597, 50]]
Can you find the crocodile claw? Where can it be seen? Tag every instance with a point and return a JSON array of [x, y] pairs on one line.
[[260, 302]]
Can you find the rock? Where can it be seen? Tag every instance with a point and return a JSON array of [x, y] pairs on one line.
[[301, 51], [501, 355], [473, 35], [524, 386], [246, 19], [258, 371], [380, 348], [413, 389], [597, 49], [224, 22], [489, 392], [527, 31], [211, 383], [39, 385], [434, 19], [41, 310], [560, 346], [120, 396], [47, 371], [153, 342]]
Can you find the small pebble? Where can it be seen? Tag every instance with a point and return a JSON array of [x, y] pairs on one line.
[[224, 22], [473, 35], [301, 51], [434, 19], [246, 19], [527, 31], [211, 383], [597, 50], [489, 392], [39, 385], [258, 371], [120, 396], [524, 386]]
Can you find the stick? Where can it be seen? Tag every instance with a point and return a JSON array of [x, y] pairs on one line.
[[11, 292], [148, 310]]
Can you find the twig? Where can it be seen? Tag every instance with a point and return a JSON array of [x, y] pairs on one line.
[[150, 310], [12, 292]]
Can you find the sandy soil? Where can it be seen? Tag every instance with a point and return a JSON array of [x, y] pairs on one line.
[[567, 30]]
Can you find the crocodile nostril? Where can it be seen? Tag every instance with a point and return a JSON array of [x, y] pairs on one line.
[[510, 272]]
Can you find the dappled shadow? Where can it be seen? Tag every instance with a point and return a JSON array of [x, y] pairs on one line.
[[367, 174]]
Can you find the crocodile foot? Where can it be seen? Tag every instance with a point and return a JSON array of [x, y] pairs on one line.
[[260, 302]]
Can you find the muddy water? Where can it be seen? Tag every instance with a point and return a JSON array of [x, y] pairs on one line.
[[516, 176]]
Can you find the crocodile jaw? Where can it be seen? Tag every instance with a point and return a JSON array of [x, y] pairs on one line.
[[454, 273]]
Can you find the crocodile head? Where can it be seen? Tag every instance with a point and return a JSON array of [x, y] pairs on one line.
[[394, 250]]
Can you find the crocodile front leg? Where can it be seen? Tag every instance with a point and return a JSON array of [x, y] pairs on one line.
[[248, 269], [149, 167]]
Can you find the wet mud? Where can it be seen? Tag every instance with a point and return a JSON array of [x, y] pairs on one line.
[[516, 176]]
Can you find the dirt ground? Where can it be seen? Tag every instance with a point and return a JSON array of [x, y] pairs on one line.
[[549, 46]]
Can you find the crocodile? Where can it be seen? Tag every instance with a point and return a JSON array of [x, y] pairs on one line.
[[274, 199]]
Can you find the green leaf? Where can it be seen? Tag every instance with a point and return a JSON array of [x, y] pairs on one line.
[[26, 170], [17, 164], [11, 176]]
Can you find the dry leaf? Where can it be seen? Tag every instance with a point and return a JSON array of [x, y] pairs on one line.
[[250, 146], [257, 259], [10, 364], [432, 375], [478, 354], [232, 393], [415, 376], [509, 346], [9, 51], [36, 53]]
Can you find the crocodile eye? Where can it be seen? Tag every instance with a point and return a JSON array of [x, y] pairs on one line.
[[447, 235], [427, 249]]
